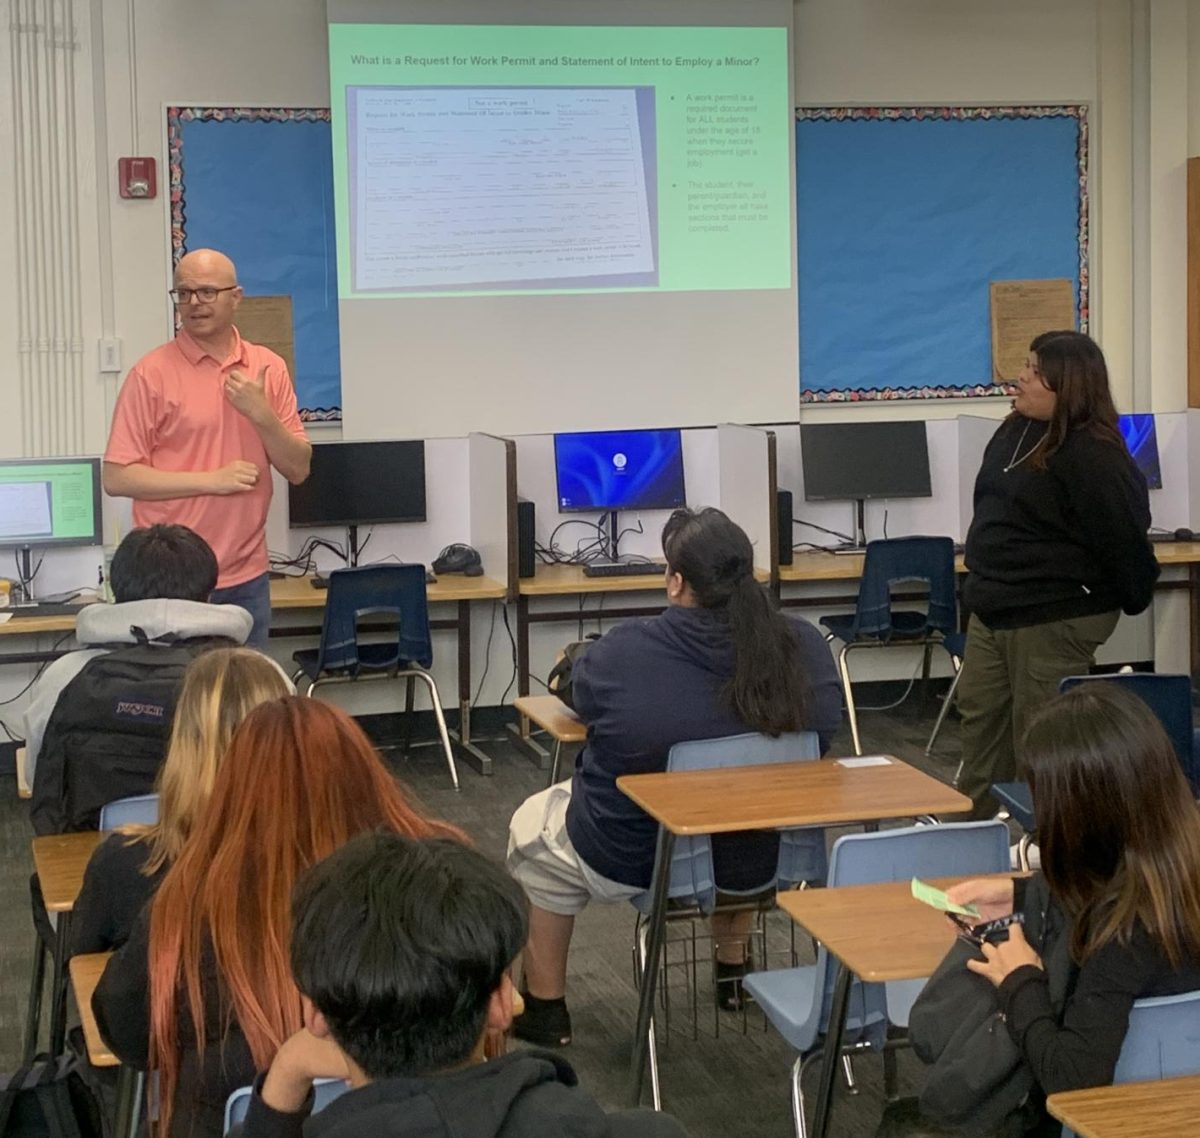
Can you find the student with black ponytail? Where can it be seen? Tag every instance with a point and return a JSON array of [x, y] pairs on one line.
[[721, 660]]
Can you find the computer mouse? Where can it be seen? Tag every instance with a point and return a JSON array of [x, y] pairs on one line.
[[1184, 534]]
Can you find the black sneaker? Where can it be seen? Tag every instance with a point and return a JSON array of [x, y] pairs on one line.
[[544, 1023]]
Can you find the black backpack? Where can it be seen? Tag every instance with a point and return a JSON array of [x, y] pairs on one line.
[[108, 732], [48, 1099]]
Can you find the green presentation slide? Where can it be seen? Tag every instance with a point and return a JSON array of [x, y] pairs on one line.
[[476, 160], [47, 502]]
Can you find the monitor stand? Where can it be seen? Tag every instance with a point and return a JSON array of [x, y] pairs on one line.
[[859, 544], [614, 534], [25, 573], [352, 546]]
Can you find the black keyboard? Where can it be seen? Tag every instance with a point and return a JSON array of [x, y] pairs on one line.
[[45, 608], [625, 569]]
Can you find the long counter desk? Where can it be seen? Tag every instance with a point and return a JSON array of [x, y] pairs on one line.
[[291, 594]]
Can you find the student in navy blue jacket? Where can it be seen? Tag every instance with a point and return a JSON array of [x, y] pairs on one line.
[[721, 660]]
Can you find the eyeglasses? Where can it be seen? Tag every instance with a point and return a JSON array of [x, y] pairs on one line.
[[205, 295]]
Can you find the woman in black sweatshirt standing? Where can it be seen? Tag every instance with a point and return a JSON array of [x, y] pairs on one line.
[[1056, 551]]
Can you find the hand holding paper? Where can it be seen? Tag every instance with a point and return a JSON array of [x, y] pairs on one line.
[[935, 898]]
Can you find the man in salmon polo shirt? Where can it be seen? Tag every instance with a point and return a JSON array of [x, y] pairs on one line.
[[197, 427]]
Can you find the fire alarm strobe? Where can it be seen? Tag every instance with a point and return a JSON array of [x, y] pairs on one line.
[[136, 177]]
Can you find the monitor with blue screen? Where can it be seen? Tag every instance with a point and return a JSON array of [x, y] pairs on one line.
[[1142, 440], [619, 470]]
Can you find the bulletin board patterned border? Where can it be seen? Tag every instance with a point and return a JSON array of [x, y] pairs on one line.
[[177, 118], [1078, 112]]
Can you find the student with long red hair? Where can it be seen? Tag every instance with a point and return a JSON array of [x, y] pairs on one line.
[[203, 990]]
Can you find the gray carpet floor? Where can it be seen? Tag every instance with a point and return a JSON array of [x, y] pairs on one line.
[[731, 1079]]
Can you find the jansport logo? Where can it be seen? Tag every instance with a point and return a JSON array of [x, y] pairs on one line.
[[133, 709]]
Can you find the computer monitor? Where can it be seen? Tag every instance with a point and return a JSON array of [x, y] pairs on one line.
[[50, 501], [855, 461], [1141, 438], [619, 470], [354, 484]]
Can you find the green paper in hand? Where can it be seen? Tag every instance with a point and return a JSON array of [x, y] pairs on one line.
[[933, 896]]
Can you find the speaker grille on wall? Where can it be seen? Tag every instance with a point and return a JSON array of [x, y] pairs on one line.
[[783, 524], [526, 562]]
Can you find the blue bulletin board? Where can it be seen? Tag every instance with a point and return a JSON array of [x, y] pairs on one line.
[[904, 217], [257, 184]]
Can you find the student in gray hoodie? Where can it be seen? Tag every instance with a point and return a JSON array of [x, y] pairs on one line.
[[402, 949]]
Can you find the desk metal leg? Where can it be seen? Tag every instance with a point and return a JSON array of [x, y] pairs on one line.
[[58, 986], [1194, 616], [130, 1085], [832, 1052], [654, 946], [522, 645], [473, 755]]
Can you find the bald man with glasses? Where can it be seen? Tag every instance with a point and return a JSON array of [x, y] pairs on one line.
[[198, 425]]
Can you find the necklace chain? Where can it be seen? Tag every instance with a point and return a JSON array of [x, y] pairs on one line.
[[1014, 462]]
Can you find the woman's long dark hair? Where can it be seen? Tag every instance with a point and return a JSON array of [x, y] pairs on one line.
[[1072, 366], [1118, 827], [768, 691]]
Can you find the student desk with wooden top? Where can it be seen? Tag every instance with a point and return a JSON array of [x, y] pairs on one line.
[[1164, 1109], [820, 792], [59, 860], [85, 975], [849, 922]]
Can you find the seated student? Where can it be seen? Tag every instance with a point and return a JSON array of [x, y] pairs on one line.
[[1119, 887], [402, 950], [219, 689], [202, 992], [721, 660], [97, 724]]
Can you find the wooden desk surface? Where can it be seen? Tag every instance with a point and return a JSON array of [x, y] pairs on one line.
[[85, 975], [551, 714], [34, 625], [880, 932], [1164, 1109], [1177, 553], [812, 565], [298, 593], [562, 580], [774, 796], [60, 860]]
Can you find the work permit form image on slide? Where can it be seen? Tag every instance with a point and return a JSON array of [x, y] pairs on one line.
[[457, 188]]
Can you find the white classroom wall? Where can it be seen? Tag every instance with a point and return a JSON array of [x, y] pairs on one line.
[[1134, 62]]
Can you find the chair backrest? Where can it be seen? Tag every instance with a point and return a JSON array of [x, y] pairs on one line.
[[1162, 1041], [928, 559], [324, 1092], [396, 591], [140, 810], [1170, 698], [802, 851], [898, 855]]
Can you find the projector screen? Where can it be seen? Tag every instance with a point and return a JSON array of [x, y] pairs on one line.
[[578, 219]]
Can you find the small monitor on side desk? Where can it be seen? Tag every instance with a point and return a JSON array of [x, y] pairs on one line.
[[358, 484], [50, 501], [1141, 438], [857, 461], [619, 470]]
